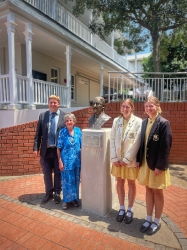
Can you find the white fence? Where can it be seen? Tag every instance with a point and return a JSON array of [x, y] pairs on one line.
[[42, 91], [22, 90], [4, 89], [127, 85]]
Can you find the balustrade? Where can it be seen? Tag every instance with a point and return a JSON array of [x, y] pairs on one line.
[[69, 21], [4, 89]]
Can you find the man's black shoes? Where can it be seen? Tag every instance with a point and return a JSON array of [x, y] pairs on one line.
[[46, 198], [57, 199]]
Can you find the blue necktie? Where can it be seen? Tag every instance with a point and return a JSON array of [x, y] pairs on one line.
[[52, 134]]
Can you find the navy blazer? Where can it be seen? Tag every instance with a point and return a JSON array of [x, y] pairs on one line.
[[158, 144], [41, 136]]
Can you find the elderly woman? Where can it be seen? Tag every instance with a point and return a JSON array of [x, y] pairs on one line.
[[69, 157]]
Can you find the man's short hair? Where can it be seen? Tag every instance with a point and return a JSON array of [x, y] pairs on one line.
[[54, 97]]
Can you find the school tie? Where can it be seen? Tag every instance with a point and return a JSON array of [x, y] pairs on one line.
[[52, 134]]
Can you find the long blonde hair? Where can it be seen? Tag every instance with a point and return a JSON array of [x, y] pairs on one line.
[[130, 102], [156, 102]]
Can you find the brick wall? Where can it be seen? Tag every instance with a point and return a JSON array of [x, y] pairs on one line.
[[16, 143]]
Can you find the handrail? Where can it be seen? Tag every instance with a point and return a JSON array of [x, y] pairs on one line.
[[42, 91]]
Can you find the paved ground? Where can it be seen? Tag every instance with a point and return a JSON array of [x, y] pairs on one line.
[[26, 224]]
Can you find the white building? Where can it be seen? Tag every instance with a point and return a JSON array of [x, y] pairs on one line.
[[45, 50], [136, 61]]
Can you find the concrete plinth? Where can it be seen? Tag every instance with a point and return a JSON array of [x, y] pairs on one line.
[[30, 106], [97, 182], [14, 106]]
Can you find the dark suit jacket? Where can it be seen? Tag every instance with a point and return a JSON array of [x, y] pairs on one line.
[[158, 144], [41, 137]]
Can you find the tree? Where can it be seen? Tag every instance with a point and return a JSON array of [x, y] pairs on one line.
[[139, 17], [173, 51]]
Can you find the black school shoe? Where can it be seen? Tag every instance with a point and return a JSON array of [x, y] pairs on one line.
[[143, 229], [120, 218], [151, 230], [128, 219]]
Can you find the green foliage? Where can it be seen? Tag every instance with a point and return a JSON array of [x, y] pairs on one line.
[[147, 65], [137, 18], [173, 50]]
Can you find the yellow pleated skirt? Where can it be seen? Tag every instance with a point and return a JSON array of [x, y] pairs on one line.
[[124, 172], [146, 177]]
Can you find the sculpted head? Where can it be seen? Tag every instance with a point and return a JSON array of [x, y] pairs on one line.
[[98, 104]]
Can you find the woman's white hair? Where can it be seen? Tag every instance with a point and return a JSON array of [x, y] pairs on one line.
[[70, 116]]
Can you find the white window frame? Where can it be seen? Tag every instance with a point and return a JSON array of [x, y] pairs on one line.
[[56, 79]]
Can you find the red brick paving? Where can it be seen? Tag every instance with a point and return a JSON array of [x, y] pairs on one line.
[[23, 228]]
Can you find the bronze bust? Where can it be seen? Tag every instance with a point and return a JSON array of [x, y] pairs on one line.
[[99, 118]]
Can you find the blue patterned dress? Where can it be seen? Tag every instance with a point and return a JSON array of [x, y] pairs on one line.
[[70, 148]]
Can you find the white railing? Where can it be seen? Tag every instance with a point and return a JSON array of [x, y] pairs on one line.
[[123, 85], [42, 91], [73, 24], [22, 90], [43, 5], [4, 89], [103, 47], [66, 19]]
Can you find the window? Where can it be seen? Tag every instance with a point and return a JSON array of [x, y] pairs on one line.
[[73, 87], [54, 75], [39, 75]]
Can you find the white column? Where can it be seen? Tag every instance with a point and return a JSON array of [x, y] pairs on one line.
[[122, 87], [101, 79], [112, 42], [1, 58], [68, 74], [30, 89], [126, 57], [10, 24], [136, 63]]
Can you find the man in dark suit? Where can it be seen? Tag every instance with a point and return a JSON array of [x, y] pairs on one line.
[[45, 141]]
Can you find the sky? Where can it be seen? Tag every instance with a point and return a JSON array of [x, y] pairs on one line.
[[147, 50]]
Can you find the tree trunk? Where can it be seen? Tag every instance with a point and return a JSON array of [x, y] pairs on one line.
[[156, 51]]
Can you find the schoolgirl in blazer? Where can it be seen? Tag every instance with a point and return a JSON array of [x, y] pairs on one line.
[[124, 145], [152, 158], [131, 140], [158, 144]]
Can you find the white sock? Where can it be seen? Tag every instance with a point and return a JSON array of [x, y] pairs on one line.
[[148, 218], [129, 209], [122, 212], [157, 221]]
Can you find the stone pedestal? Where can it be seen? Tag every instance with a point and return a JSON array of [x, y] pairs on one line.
[[97, 182]]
